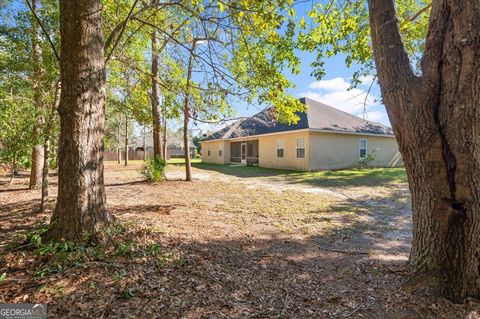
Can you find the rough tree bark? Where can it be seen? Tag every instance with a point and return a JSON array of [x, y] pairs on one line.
[[156, 127], [37, 151], [435, 118], [81, 213]]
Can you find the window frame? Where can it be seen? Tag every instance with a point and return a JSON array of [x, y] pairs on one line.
[[208, 150], [360, 148], [297, 148], [220, 150], [282, 142]]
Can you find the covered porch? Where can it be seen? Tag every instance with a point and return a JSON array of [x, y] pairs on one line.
[[244, 152]]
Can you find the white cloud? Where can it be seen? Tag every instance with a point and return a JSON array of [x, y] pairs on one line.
[[366, 79], [330, 85], [376, 116], [335, 93]]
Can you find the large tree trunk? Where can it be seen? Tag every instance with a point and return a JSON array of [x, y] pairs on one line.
[[154, 98], [37, 151], [81, 213], [435, 118]]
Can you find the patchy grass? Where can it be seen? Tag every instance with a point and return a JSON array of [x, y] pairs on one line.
[[353, 177], [181, 161], [337, 178]]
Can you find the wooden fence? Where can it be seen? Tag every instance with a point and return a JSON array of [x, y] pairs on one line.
[[137, 155]]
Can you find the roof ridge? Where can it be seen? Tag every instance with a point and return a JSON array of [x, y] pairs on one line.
[[341, 111]]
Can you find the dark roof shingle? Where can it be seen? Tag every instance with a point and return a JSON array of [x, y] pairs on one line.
[[318, 116]]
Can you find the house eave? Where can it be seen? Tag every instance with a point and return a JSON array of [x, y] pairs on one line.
[[296, 131]]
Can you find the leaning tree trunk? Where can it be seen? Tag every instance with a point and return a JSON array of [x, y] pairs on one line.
[[81, 213], [436, 120], [154, 98], [37, 151]]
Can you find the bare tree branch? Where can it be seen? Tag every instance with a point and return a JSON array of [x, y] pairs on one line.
[[43, 29]]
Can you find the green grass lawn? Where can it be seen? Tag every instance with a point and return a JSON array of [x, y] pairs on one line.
[[178, 161], [337, 178]]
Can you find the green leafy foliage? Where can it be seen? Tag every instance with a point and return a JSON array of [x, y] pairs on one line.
[[368, 160], [154, 169], [342, 27]]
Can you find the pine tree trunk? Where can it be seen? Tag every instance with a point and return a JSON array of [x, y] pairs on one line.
[[46, 163], [435, 118], [126, 140], [144, 145], [186, 118], [46, 148], [164, 134], [119, 138], [81, 213], [12, 177], [154, 98], [37, 151]]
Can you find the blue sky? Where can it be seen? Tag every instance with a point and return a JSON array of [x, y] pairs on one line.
[[332, 89]]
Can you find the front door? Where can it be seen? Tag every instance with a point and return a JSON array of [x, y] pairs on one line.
[[244, 153]]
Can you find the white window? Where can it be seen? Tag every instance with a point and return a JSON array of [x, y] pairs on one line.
[[220, 150], [208, 150], [280, 148], [362, 146], [300, 147]]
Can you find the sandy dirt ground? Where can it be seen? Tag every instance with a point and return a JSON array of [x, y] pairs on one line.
[[225, 246]]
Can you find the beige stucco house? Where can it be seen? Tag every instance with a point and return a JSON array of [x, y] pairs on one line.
[[324, 138]]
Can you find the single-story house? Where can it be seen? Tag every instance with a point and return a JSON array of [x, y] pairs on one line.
[[324, 138]]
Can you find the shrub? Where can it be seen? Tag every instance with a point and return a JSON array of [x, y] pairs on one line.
[[197, 154], [368, 160], [154, 169]]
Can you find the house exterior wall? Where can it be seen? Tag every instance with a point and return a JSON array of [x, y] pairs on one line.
[[214, 157], [323, 151], [267, 150], [335, 151]]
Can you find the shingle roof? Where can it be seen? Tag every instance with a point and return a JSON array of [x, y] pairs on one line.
[[318, 116]]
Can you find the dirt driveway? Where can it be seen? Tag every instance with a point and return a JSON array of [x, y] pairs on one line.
[[228, 246]]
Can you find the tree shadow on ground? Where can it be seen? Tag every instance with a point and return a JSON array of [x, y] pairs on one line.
[[160, 276], [18, 218]]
